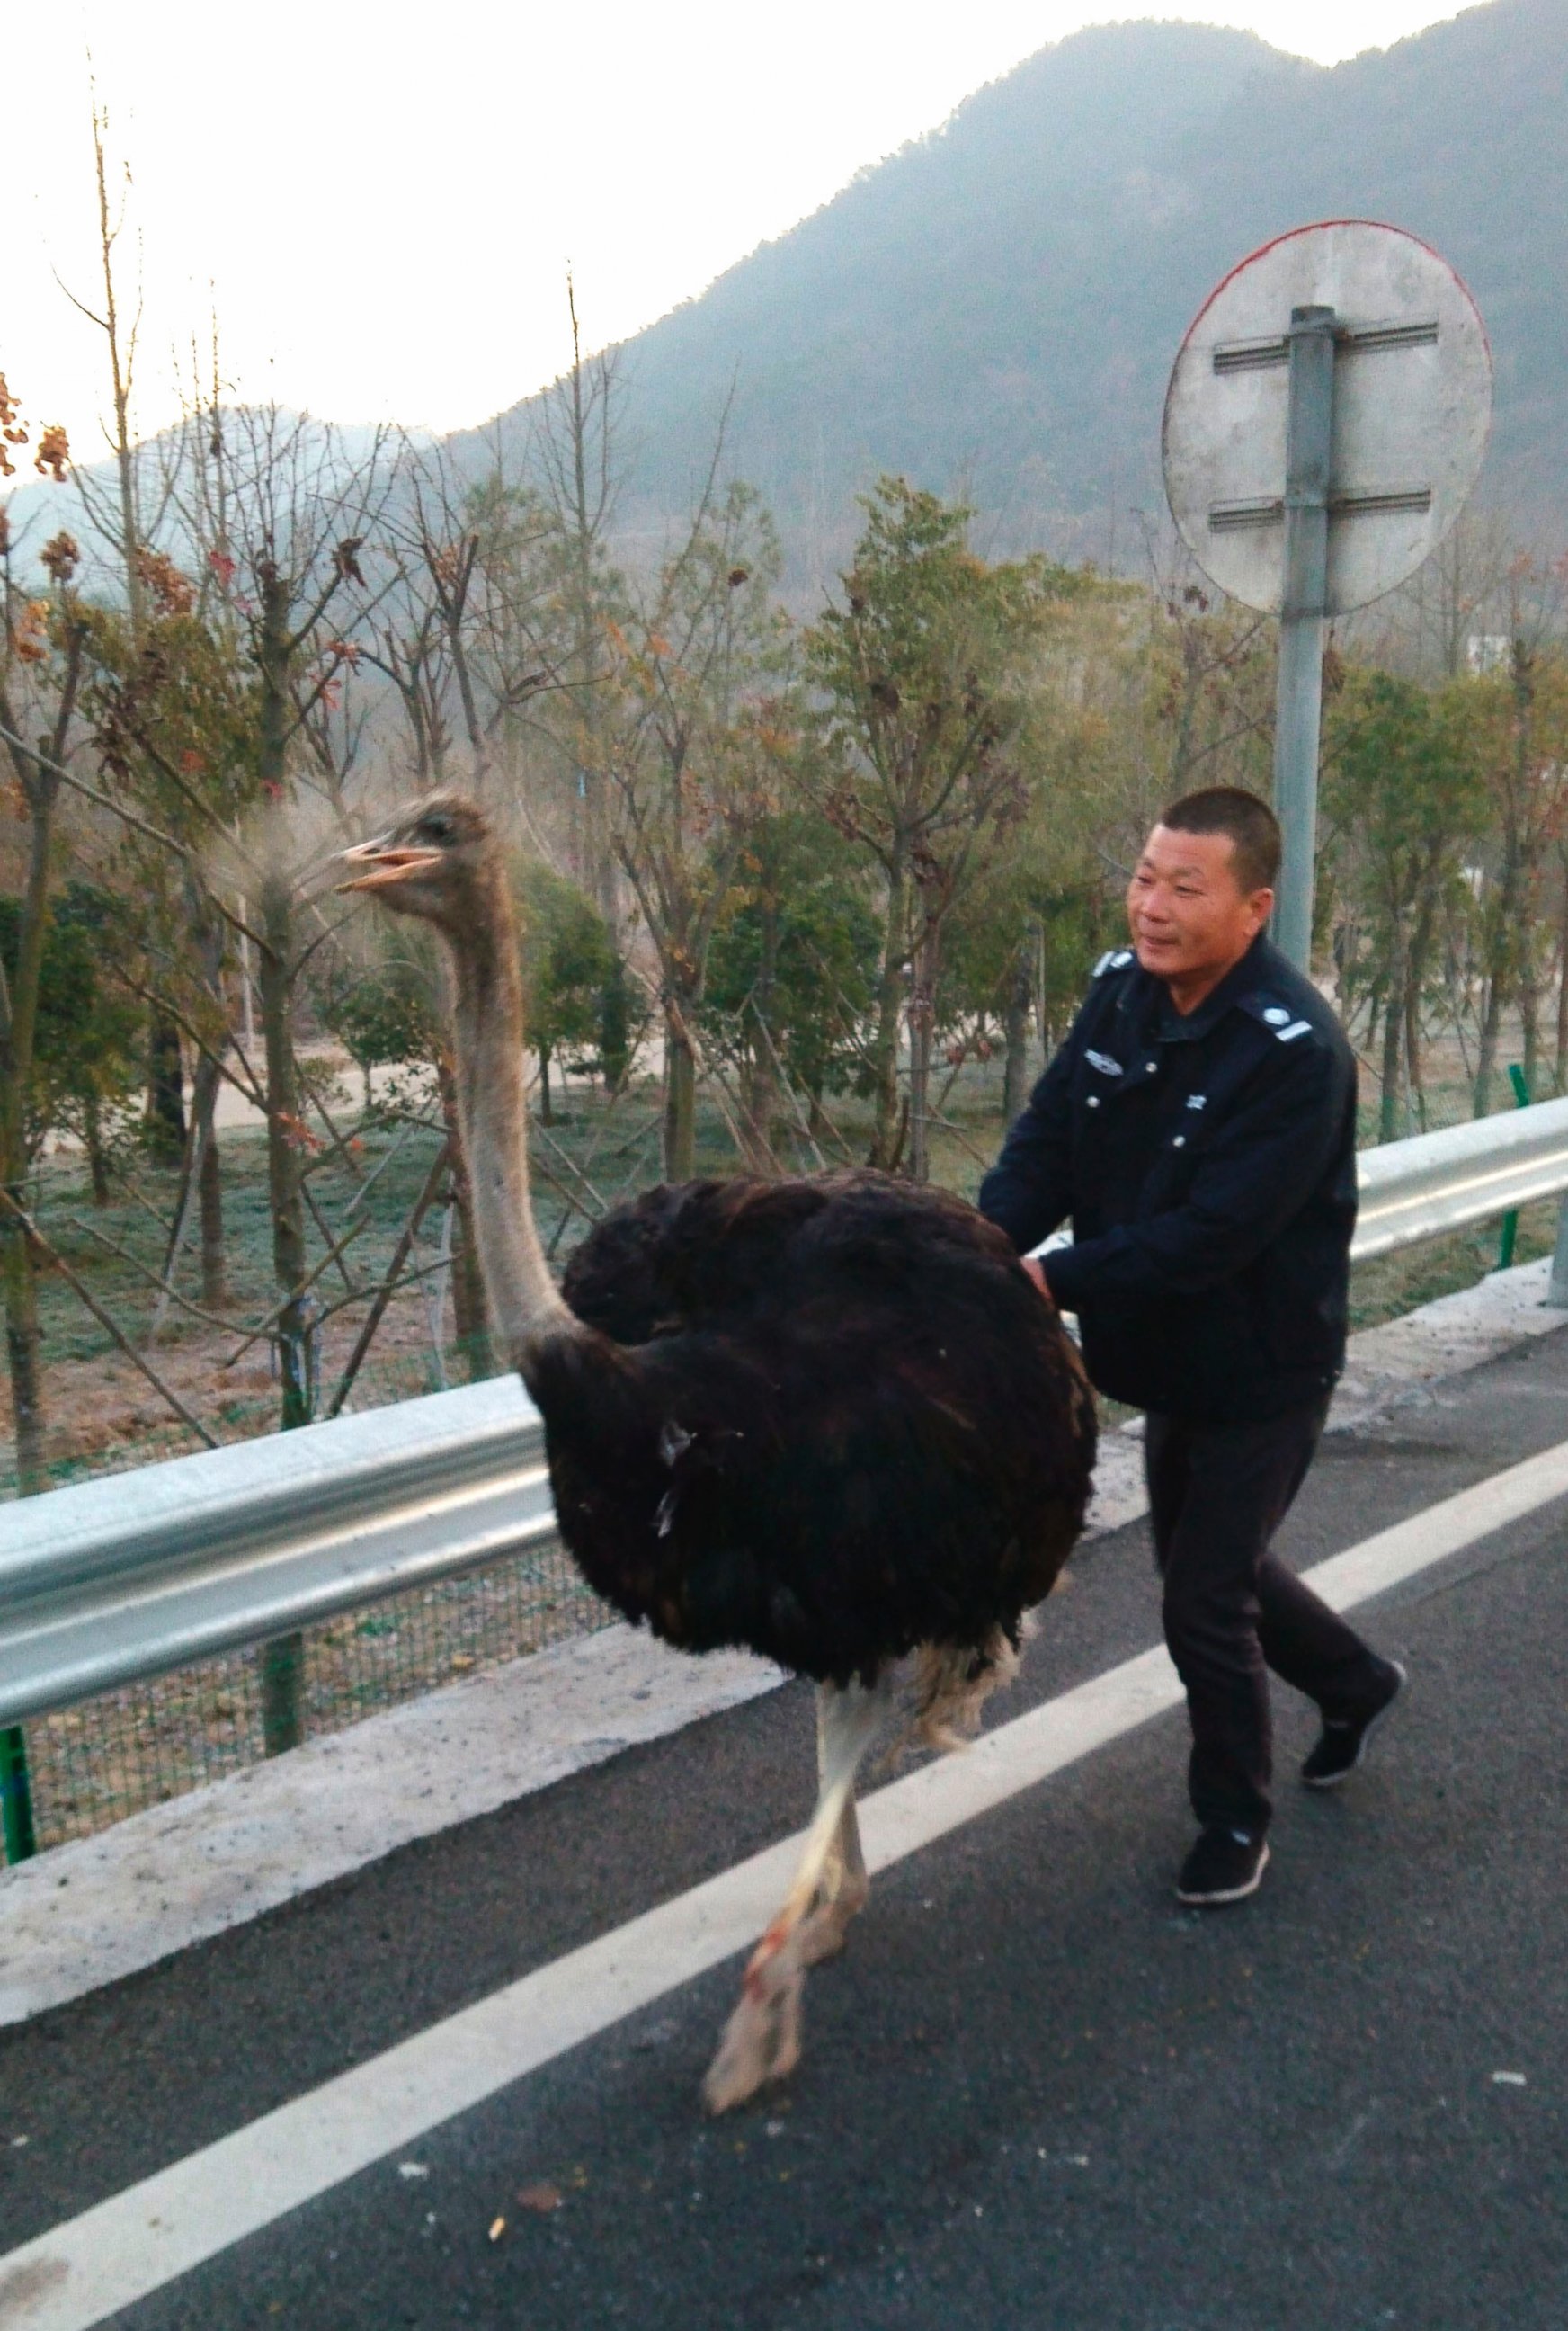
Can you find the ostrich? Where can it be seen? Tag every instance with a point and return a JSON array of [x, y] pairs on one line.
[[828, 1419]]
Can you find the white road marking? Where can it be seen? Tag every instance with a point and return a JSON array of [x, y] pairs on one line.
[[142, 2239]]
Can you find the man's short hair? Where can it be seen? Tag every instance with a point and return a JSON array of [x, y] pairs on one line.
[[1250, 823]]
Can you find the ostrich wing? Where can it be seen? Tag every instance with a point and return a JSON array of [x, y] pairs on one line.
[[852, 1426]]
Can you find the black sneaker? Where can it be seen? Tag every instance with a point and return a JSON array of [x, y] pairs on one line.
[[1226, 1865], [1344, 1741]]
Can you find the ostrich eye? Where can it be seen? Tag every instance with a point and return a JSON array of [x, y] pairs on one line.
[[436, 828]]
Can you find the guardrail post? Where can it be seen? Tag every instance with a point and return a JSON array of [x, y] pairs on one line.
[[16, 1797], [283, 1693], [1556, 1296], [1506, 1244]]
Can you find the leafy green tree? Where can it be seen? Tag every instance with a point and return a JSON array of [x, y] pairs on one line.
[[88, 1041], [926, 672], [1404, 789], [1514, 727], [1016, 949], [792, 971], [385, 1014], [568, 965]]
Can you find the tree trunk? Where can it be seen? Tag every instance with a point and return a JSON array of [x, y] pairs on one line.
[[1016, 1030], [285, 1190], [21, 1353], [546, 1108], [1530, 1026], [1529, 978], [97, 1156], [17, 1259], [1486, 1052], [1416, 964], [884, 1047], [922, 1028], [194, 1195], [1562, 1061], [1498, 941], [1392, 1043], [275, 989], [215, 1262], [616, 1027], [471, 1319], [761, 1094], [597, 857], [679, 1098], [166, 1092]]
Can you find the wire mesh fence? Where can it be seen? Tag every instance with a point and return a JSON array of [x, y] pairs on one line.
[[92, 1765]]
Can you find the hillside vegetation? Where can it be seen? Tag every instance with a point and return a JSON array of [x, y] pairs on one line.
[[995, 308]]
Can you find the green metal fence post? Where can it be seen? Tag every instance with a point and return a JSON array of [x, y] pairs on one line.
[[283, 1693], [1511, 1222], [16, 1797]]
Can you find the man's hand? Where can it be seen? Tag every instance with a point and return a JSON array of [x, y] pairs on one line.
[[1036, 1270]]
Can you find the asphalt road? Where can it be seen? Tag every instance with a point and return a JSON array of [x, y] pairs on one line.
[[1036, 2092]]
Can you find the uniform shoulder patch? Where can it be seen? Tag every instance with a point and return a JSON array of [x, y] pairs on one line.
[[1285, 1025], [1113, 959]]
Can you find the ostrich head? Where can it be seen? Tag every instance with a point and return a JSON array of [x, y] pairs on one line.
[[437, 860]]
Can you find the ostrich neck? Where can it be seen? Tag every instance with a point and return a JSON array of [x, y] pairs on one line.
[[492, 1113]]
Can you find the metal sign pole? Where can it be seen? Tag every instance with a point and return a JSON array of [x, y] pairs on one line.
[[1298, 714]]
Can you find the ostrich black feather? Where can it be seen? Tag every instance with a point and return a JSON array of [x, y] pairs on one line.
[[829, 1421]]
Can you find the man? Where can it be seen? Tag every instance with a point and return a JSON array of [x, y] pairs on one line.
[[1199, 1127]]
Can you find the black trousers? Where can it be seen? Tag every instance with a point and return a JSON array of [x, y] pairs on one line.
[[1217, 1494]]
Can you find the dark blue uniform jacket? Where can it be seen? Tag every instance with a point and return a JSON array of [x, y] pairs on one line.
[[1208, 1165]]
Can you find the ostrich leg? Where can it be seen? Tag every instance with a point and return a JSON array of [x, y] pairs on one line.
[[762, 2040], [843, 1887]]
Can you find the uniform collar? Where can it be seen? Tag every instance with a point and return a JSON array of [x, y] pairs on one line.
[[1173, 1027]]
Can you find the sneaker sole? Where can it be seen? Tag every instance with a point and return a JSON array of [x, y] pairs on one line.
[[1232, 1894], [1337, 1780]]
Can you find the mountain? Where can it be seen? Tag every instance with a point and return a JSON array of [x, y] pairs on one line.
[[995, 308]]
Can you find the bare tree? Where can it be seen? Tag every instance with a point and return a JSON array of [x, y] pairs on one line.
[[41, 644], [576, 454], [692, 749]]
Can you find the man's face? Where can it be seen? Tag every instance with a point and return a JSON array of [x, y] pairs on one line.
[[1188, 914]]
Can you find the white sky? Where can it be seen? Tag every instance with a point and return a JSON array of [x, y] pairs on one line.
[[383, 199]]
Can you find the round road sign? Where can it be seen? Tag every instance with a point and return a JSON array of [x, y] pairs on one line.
[[1413, 403]]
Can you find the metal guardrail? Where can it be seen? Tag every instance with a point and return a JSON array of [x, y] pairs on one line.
[[110, 1582], [1436, 1182]]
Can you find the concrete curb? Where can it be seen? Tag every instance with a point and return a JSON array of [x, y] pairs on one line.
[[92, 1912]]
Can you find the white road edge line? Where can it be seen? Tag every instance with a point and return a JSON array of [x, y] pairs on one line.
[[93, 2265]]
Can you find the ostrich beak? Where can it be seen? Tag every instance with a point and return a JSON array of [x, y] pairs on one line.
[[384, 865]]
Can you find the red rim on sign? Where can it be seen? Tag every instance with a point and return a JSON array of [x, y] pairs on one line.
[[1413, 406]]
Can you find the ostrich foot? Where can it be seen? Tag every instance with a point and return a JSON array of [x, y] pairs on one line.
[[762, 2040]]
